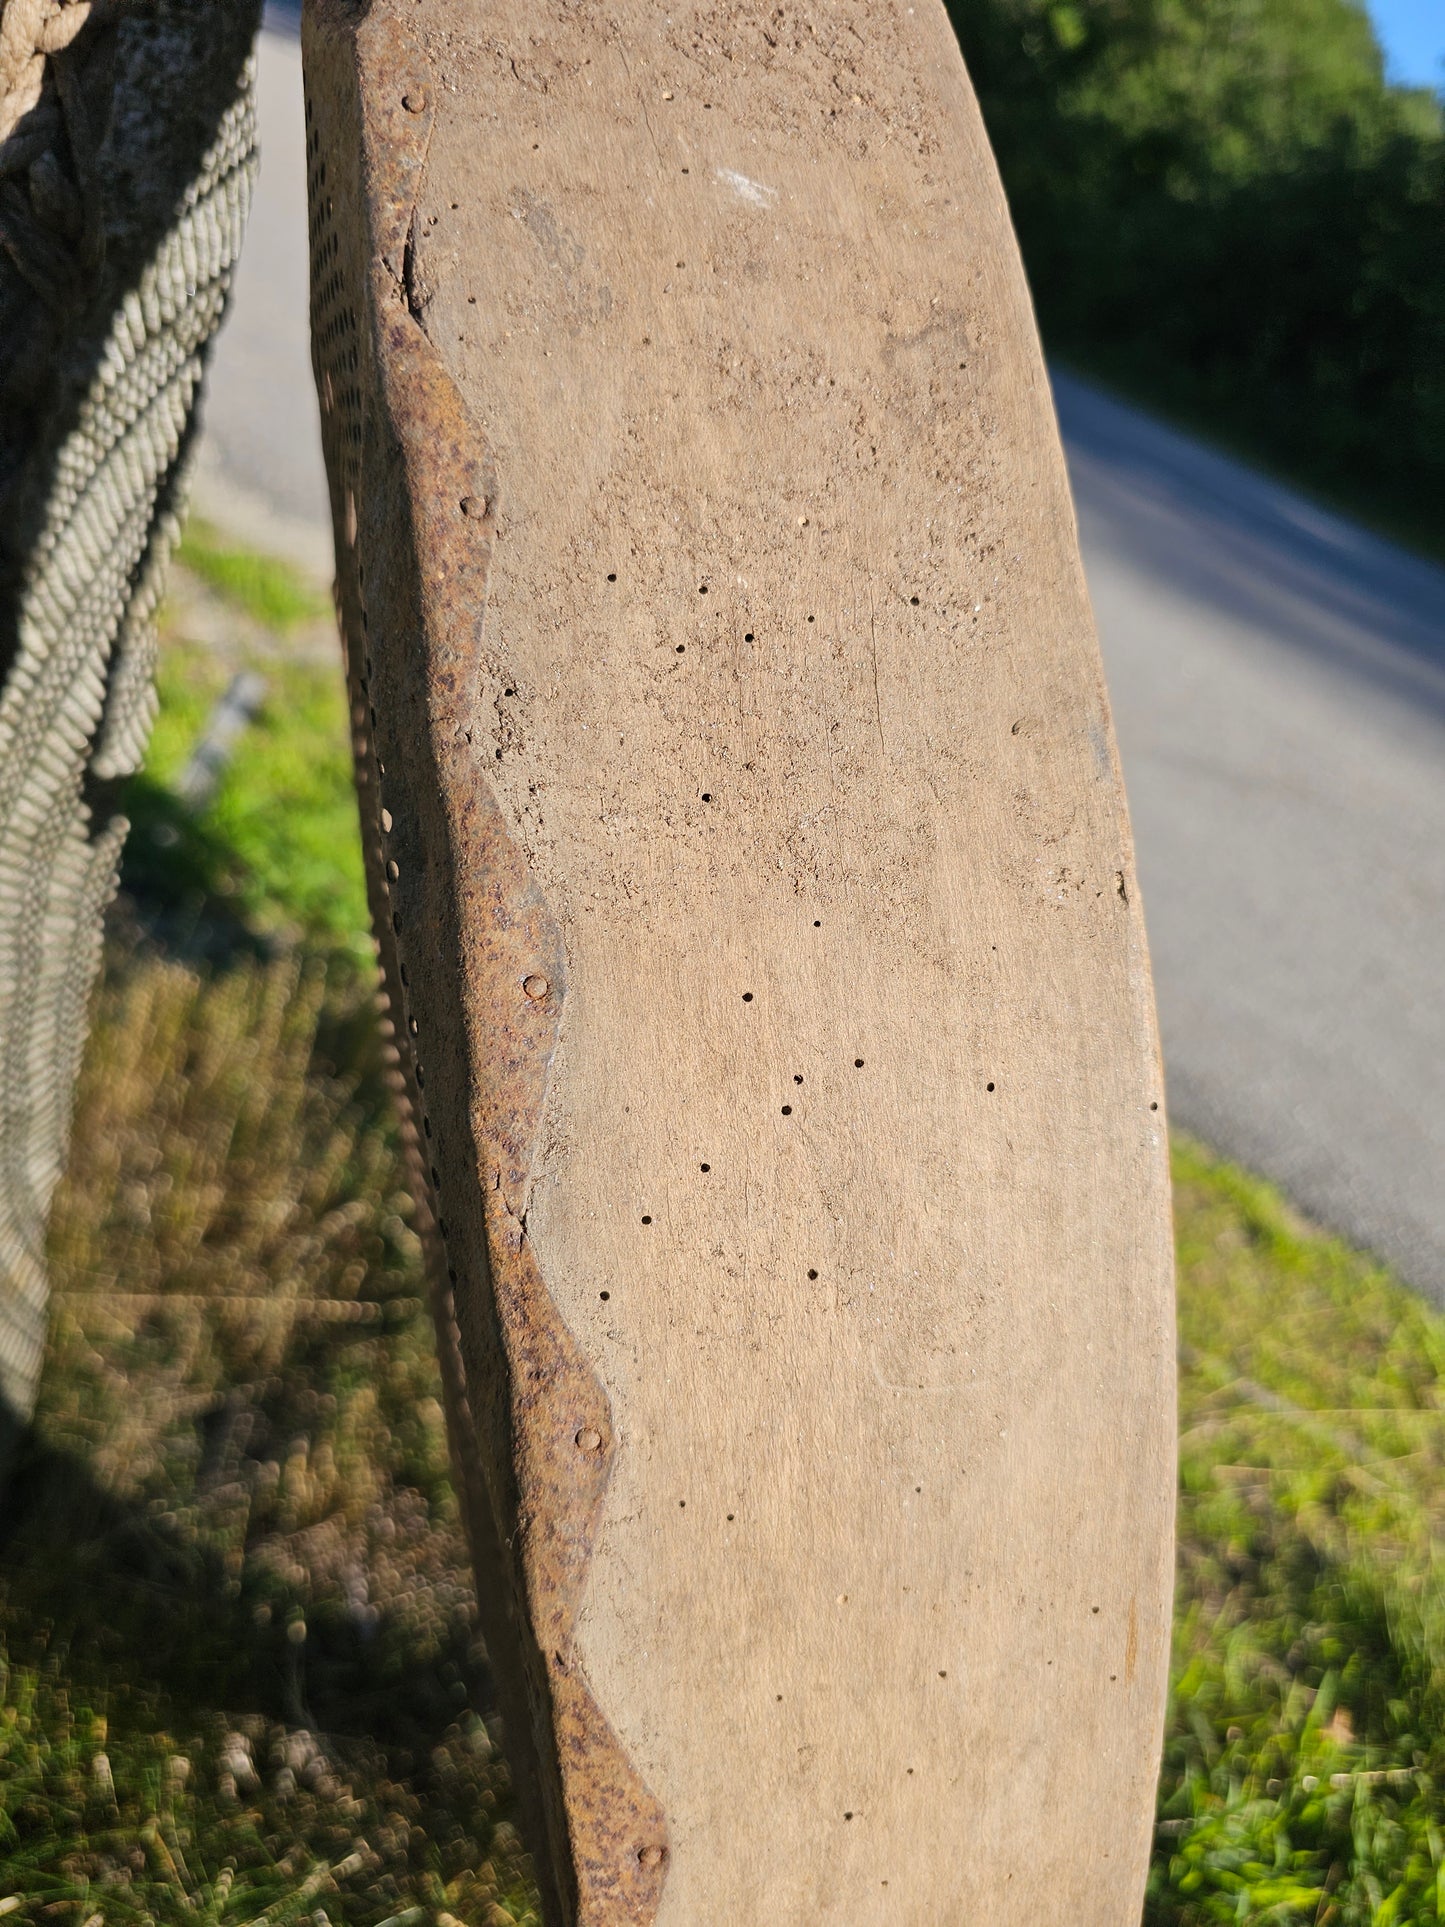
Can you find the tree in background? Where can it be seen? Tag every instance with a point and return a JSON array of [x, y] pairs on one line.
[[1224, 207]]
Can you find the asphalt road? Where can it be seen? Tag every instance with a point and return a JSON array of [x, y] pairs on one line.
[[1278, 679]]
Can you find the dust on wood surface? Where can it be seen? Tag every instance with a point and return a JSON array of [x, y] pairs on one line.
[[846, 1181]]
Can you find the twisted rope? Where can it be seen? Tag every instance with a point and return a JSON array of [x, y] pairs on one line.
[[49, 204], [123, 228], [30, 32]]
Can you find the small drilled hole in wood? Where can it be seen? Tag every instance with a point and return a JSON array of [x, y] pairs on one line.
[[812, 1274], [914, 600], [646, 1218], [704, 1167], [604, 1296], [1153, 1107], [817, 923], [748, 637], [702, 589], [787, 1110], [797, 1077], [613, 576], [747, 996], [682, 648], [730, 1518], [988, 1087], [707, 796], [857, 1063]]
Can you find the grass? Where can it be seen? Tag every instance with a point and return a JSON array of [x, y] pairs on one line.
[[271, 591], [1304, 1763], [276, 849], [239, 1674]]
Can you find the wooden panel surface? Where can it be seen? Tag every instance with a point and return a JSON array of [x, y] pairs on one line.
[[770, 680]]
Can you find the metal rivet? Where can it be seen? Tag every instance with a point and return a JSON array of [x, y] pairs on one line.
[[474, 505], [650, 1856], [414, 100], [536, 988], [588, 1440]]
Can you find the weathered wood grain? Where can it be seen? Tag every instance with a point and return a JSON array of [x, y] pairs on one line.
[[757, 896]]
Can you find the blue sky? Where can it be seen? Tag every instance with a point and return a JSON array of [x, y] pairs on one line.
[[1412, 32]]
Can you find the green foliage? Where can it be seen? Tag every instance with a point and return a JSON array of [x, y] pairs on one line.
[[288, 806], [238, 1671], [1304, 1762], [278, 847], [1224, 208], [270, 591]]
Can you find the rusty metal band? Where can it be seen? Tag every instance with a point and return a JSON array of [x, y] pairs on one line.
[[473, 961]]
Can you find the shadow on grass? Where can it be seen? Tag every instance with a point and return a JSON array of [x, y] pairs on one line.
[[183, 880], [132, 1599], [235, 1612]]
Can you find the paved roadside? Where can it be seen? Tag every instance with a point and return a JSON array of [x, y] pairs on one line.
[[1278, 681]]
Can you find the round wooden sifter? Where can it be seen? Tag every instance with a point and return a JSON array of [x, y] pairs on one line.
[[757, 905]]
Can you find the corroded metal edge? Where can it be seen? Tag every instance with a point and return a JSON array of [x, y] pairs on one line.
[[473, 960]]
